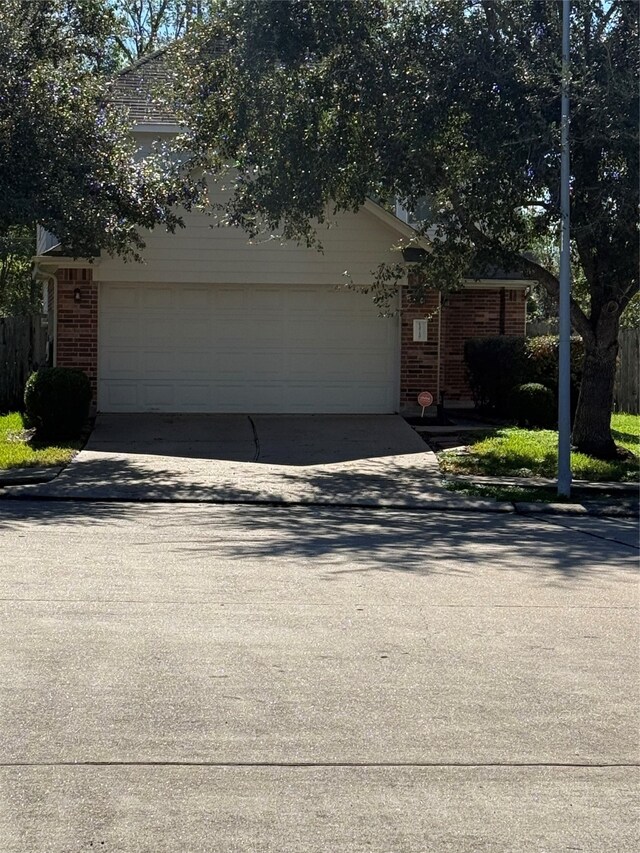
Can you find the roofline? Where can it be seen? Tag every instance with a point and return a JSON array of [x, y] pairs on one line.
[[158, 127], [489, 283], [58, 261], [142, 60], [403, 228]]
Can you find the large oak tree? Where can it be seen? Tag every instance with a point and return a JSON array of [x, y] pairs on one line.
[[315, 103], [67, 158]]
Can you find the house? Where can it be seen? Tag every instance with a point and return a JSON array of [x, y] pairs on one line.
[[212, 322]]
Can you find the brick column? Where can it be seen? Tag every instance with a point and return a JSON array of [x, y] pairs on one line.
[[418, 359], [77, 328]]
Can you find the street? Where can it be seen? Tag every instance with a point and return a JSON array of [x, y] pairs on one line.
[[201, 677]]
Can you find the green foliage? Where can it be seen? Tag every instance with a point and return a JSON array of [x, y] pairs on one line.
[[498, 364], [19, 449], [19, 294], [313, 106], [533, 453], [494, 366], [542, 358], [57, 401], [67, 159], [144, 27], [533, 405], [317, 103]]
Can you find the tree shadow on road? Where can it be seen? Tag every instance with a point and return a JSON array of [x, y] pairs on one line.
[[336, 541]]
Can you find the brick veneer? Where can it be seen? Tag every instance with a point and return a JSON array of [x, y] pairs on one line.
[[465, 314], [77, 332]]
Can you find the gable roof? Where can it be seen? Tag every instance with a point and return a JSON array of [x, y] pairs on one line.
[[142, 89]]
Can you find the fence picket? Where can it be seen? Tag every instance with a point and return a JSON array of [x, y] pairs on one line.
[[23, 343]]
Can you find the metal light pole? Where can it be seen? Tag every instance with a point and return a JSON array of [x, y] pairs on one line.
[[564, 320]]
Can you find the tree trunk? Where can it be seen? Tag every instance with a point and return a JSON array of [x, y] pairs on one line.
[[592, 423]]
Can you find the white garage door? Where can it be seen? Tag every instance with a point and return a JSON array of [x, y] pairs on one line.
[[241, 348]]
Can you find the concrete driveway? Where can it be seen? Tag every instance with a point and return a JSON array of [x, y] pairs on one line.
[[355, 460]]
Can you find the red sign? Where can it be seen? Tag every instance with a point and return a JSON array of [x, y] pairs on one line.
[[425, 399]]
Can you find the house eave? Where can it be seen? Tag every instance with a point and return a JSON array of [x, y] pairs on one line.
[[51, 263], [167, 128], [492, 283], [402, 228]]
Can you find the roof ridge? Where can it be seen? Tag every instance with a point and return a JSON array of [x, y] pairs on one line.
[[142, 60]]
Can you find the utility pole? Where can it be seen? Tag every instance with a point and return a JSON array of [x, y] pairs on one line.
[[564, 319]]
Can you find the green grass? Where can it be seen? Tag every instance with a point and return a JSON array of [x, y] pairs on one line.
[[504, 493], [17, 450], [514, 452]]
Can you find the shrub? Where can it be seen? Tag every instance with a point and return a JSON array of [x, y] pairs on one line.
[[57, 401], [497, 365], [533, 405], [494, 366], [542, 362]]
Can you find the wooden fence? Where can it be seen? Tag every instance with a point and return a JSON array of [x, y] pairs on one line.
[[626, 394], [23, 346]]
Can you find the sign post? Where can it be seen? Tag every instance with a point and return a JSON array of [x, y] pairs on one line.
[[425, 399], [564, 325]]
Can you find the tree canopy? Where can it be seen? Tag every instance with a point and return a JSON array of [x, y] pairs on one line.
[[145, 25], [67, 158], [313, 104]]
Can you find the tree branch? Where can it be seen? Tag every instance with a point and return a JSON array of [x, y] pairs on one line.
[[613, 8], [529, 267]]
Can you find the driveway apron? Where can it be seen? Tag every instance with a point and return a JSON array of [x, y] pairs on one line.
[[353, 460]]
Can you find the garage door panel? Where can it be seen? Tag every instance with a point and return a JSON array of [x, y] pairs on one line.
[[158, 396], [153, 297], [192, 397], [194, 299], [200, 330], [122, 364], [123, 296], [118, 396], [243, 349], [119, 329]]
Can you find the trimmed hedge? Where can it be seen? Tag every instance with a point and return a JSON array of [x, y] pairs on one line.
[[57, 401], [497, 365], [533, 405], [494, 366]]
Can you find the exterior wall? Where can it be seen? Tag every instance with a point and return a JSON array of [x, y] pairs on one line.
[[466, 314], [418, 359], [200, 253], [77, 332], [471, 313]]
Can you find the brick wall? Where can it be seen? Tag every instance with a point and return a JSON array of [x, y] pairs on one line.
[[466, 314], [77, 332]]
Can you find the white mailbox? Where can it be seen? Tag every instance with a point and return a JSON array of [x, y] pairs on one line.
[[420, 330]]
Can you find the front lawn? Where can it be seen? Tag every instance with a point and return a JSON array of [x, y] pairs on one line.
[[514, 452], [17, 450]]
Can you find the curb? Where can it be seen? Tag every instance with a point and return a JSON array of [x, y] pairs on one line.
[[602, 511], [493, 507], [37, 476], [578, 486], [620, 510]]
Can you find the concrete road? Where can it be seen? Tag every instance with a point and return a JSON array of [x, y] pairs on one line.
[[201, 678]]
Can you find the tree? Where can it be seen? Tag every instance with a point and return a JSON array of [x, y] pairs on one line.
[[67, 159], [314, 103], [19, 293], [146, 25]]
